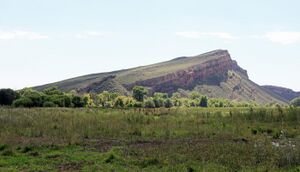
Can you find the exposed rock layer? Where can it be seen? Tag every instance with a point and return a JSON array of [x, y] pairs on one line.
[[212, 72]]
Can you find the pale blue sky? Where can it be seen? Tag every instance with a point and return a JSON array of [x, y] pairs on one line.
[[43, 41]]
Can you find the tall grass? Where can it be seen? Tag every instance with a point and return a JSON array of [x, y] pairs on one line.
[[230, 138]]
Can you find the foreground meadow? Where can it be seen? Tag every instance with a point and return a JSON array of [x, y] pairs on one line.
[[176, 139]]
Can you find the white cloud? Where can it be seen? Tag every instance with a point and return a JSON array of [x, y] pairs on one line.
[[92, 34], [197, 35], [21, 35], [284, 38]]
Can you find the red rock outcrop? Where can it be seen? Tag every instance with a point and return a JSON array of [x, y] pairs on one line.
[[210, 72]]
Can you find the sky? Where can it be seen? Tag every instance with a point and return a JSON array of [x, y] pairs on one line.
[[43, 41]]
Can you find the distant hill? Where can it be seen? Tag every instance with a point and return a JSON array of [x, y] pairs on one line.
[[214, 74], [286, 93]]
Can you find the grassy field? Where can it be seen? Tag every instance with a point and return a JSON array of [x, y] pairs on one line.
[[179, 139]]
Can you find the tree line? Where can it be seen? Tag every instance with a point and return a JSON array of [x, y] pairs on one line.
[[53, 97]]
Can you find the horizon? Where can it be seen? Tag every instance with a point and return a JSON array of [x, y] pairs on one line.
[[50, 41]]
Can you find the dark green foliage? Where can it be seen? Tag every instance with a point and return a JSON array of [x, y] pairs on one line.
[[2, 147], [194, 95], [138, 104], [7, 96], [35, 96], [78, 101], [168, 103], [139, 93], [26, 149], [52, 91], [52, 97], [296, 102], [23, 102], [203, 101], [49, 104], [149, 103], [120, 102]]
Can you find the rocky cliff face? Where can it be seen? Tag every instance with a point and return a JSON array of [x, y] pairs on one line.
[[212, 72]]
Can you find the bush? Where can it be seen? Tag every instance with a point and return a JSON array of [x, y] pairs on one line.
[[203, 101], [120, 102], [49, 104], [137, 104], [168, 103], [78, 101], [139, 93], [296, 102], [23, 102], [7, 96], [159, 102], [149, 103]]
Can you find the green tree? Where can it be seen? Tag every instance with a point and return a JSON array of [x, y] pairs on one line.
[[120, 102], [88, 100], [203, 101], [149, 103], [139, 93], [49, 104], [36, 97], [168, 103], [194, 95], [7, 96], [52, 91], [296, 102], [78, 101], [23, 102]]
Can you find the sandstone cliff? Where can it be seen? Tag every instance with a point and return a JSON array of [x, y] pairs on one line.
[[214, 74]]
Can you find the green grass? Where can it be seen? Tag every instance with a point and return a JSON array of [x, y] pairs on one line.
[[177, 139]]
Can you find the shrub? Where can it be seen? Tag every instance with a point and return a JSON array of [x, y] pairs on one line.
[[139, 93], [137, 104], [120, 102], [78, 101], [203, 101], [23, 102], [149, 103], [296, 102], [49, 104], [168, 103], [7, 96], [159, 102]]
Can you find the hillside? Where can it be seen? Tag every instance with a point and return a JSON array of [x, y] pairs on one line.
[[214, 74], [286, 93]]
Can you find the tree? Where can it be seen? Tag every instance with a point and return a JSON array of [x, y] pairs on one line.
[[176, 95], [159, 99], [120, 102], [203, 101], [88, 100], [36, 98], [139, 93], [49, 104], [23, 102], [160, 95], [52, 91], [296, 102], [149, 103], [168, 103], [194, 95], [78, 101], [7, 96]]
